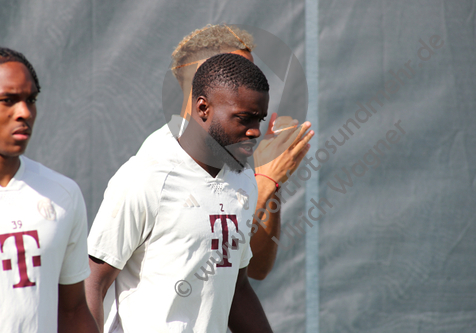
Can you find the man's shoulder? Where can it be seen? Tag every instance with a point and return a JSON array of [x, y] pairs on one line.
[[142, 173], [156, 142], [160, 152], [39, 176]]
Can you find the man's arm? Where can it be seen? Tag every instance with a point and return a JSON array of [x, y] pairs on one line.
[[246, 314], [73, 313], [97, 284], [263, 247]]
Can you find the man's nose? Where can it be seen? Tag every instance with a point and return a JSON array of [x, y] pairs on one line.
[[23, 110], [253, 132]]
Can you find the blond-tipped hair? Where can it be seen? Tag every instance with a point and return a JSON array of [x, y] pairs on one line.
[[207, 42]]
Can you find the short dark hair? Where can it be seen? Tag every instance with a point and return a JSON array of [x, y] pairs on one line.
[[8, 55], [230, 71]]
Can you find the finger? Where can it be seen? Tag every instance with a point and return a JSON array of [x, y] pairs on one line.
[[284, 122], [303, 143], [305, 126], [283, 138], [301, 155], [293, 124], [294, 139], [284, 135], [271, 123], [288, 138]]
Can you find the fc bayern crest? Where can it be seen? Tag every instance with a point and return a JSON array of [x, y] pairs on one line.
[[46, 209], [243, 198]]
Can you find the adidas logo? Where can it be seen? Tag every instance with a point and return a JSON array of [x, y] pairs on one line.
[[191, 202]]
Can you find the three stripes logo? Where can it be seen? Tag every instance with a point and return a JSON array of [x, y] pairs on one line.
[[191, 202]]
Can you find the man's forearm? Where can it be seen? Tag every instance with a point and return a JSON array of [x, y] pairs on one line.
[[246, 314], [263, 247], [78, 321], [97, 284], [95, 303], [73, 312]]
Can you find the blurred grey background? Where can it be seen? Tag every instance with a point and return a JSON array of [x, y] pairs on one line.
[[397, 251]]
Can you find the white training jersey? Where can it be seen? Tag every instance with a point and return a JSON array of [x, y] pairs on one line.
[[164, 222], [43, 230]]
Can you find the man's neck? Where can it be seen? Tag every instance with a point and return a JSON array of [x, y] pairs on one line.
[[8, 168], [193, 142]]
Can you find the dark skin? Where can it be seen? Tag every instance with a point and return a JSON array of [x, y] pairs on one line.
[[245, 303], [18, 94], [296, 140], [262, 245], [239, 114], [73, 312], [246, 313], [97, 284]]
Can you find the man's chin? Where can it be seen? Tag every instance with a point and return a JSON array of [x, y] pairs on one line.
[[236, 169], [235, 163]]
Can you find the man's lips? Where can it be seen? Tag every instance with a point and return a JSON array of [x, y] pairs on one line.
[[22, 134], [246, 148]]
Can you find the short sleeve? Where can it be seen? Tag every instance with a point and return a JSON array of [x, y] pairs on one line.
[[75, 267], [125, 217]]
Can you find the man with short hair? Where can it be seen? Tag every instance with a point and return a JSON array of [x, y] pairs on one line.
[[277, 156], [42, 221], [172, 228], [202, 44]]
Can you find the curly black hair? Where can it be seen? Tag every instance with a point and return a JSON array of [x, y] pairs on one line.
[[228, 70], [8, 55]]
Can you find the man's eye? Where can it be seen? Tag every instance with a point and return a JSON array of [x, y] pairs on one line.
[[6, 100], [32, 100]]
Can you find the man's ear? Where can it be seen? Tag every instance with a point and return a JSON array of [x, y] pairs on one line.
[[203, 108]]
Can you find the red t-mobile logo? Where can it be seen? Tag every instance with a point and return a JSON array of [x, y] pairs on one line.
[[7, 263], [225, 240]]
